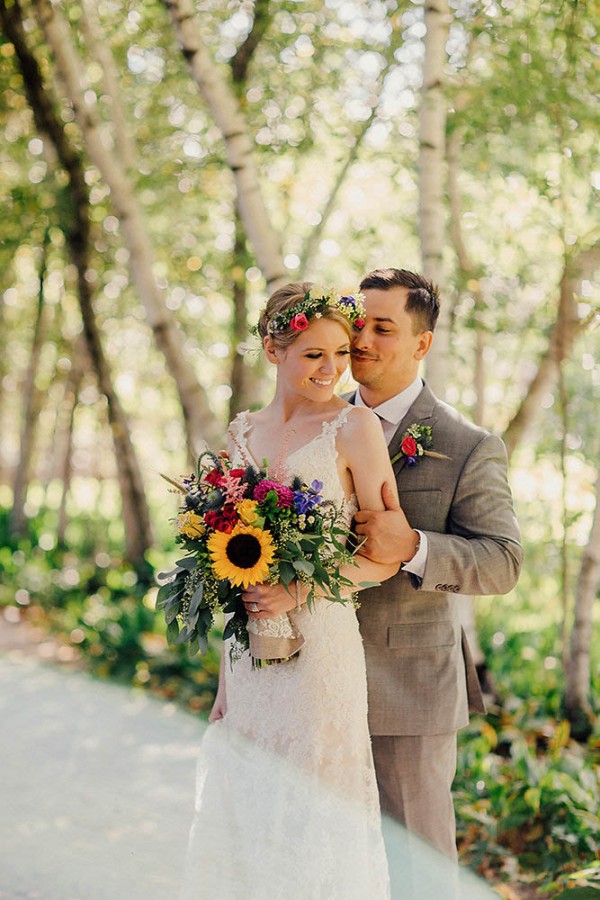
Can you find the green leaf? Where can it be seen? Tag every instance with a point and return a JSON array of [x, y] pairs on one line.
[[172, 631], [188, 562], [171, 610], [287, 573], [196, 600], [304, 565]]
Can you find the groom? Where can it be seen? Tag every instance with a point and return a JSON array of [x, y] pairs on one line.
[[455, 533]]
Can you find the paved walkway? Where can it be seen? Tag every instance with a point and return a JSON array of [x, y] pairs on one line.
[[96, 792]]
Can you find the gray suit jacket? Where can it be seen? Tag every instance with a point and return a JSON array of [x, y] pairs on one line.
[[420, 672]]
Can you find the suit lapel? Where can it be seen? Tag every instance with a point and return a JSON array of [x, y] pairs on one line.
[[420, 413]]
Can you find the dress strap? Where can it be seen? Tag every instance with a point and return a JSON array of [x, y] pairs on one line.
[[237, 431], [332, 428]]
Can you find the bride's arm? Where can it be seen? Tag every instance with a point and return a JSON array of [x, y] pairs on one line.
[[362, 448]]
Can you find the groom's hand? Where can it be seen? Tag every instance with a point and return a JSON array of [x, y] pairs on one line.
[[387, 536], [265, 601]]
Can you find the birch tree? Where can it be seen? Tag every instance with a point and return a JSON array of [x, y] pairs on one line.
[[200, 422], [31, 404], [136, 515], [577, 699], [568, 325], [432, 213], [225, 109]]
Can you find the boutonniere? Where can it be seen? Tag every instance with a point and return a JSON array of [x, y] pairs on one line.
[[417, 441]]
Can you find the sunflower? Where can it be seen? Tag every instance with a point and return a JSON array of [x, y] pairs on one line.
[[243, 556]]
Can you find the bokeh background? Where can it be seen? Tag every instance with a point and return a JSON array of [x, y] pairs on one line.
[[164, 166]]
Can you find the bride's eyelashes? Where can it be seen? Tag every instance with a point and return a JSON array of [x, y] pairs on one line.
[[319, 355]]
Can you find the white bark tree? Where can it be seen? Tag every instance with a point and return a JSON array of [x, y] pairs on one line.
[[200, 422], [432, 174], [577, 698], [227, 114], [31, 405], [568, 326]]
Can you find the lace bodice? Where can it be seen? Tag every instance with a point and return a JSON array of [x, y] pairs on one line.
[[317, 459]]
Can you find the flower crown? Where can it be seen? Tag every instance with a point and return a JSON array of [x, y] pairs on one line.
[[314, 303]]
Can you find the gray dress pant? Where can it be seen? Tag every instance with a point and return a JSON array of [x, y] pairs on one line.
[[414, 776]]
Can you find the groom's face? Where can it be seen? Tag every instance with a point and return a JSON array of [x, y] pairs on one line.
[[387, 351]]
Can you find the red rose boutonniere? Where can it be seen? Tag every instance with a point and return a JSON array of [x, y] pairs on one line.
[[416, 441]]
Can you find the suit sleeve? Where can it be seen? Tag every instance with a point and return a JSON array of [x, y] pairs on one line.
[[480, 553]]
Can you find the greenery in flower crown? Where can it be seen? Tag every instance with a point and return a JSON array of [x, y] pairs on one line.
[[314, 304]]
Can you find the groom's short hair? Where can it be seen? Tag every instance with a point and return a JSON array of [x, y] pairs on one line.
[[423, 301]]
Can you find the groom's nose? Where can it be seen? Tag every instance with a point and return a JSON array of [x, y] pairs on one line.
[[362, 339]]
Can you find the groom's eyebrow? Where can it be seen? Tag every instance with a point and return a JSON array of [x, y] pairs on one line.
[[384, 319]]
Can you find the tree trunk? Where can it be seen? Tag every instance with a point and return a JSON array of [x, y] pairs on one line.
[[100, 51], [32, 401], [200, 422], [226, 111], [136, 515], [469, 274], [432, 128], [577, 702], [69, 405], [566, 329], [244, 379]]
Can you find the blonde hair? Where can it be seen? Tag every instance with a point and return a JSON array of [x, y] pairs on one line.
[[282, 300]]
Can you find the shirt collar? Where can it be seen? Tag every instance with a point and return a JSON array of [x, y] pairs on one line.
[[394, 409]]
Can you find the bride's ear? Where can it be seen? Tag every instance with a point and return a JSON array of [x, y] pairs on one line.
[[271, 351]]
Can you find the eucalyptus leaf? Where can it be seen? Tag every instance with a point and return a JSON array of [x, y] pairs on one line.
[[304, 565], [196, 600], [188, 562], [172, 631]]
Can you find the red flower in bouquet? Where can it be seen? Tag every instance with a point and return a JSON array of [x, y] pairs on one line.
[[224, 519]]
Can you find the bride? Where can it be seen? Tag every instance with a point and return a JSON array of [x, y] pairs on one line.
[[287, 803]]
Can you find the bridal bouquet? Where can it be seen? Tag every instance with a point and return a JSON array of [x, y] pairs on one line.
[[240, 528]]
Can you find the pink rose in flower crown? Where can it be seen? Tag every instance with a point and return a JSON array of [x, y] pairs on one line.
[[299, 322], [285, 495], [409, 446], [359, 323]]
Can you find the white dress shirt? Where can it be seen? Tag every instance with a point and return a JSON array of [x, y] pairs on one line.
[[391, 412]]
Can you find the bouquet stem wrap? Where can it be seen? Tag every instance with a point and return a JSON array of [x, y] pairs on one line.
[[277, 638]]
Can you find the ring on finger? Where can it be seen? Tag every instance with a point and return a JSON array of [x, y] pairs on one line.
[[254, 607]]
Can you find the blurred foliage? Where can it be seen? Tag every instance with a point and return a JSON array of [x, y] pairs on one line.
[[104, 610]]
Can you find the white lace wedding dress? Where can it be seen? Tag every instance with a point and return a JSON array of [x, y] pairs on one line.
[[287, 803]]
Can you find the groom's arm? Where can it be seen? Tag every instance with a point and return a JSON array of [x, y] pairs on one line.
[[480, 553]]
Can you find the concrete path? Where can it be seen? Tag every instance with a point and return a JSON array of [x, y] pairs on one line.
[[97, 788]]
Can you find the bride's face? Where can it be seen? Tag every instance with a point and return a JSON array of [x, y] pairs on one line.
[[314, 363]]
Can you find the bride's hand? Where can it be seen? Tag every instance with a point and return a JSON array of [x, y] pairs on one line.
[[219, 707], [266, 601]]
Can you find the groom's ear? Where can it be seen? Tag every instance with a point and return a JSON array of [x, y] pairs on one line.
[[424, 345]]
